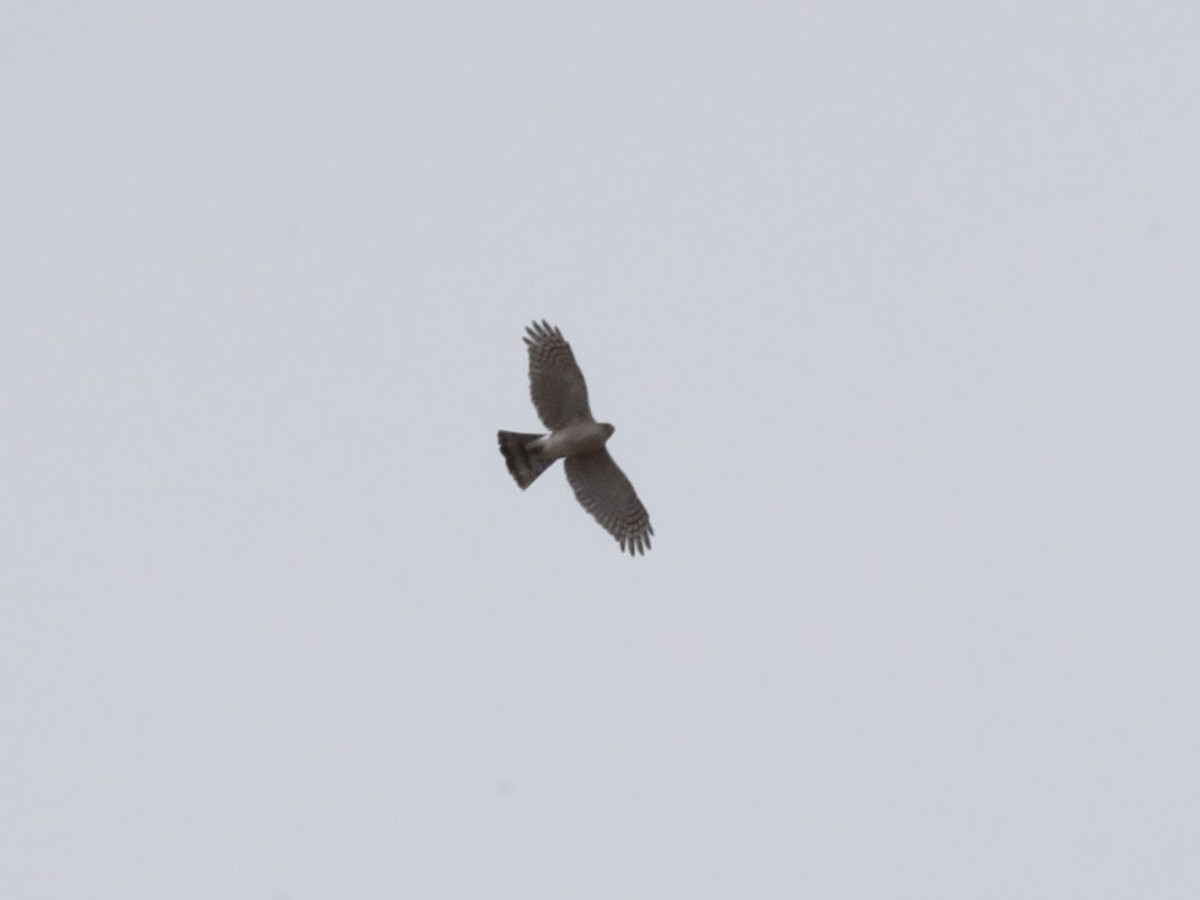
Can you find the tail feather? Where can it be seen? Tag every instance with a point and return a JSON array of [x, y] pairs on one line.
[[524, 461]]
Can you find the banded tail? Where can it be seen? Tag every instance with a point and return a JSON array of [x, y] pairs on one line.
[[524, 460]]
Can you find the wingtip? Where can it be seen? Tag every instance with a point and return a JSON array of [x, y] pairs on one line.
[[539, 331], [637, 545]]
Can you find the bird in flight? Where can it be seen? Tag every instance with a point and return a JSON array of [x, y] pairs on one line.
[[560, 397]]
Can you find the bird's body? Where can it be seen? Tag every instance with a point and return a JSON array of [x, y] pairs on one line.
[[575, 440], [560, 396]]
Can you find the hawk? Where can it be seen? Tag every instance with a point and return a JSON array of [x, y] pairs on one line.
[[560, 397]]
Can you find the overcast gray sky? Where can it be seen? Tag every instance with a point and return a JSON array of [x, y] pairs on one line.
[[894, 307]]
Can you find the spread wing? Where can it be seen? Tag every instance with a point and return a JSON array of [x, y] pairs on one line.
[[604, 491], [555, 382]]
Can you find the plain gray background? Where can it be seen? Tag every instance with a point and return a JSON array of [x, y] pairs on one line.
[[894, 307]]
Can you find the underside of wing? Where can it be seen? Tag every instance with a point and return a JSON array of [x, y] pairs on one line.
[[555, 382], [604, 491]]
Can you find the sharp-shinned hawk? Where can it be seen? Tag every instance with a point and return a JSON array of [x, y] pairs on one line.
[[560, 396]]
